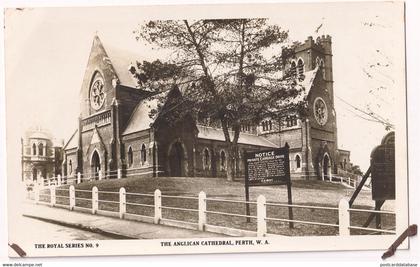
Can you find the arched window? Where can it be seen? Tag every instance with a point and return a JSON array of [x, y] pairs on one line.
[[322, 67], [297, 159], [320, 64], [41, 149], [143, 154], [206, 158], [293, 121], [33, 149], [130, 157], [70, 167], [288, 121], [222, 160], [293, 68], [300, 67]]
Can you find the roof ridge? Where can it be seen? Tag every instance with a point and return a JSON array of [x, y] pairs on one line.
[[71, 137]]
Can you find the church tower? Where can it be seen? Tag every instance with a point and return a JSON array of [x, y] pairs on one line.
[[311, 135]]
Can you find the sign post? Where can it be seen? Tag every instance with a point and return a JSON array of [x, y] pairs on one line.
[[266, 168]]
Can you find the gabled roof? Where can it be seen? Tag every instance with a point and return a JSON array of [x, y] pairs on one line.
[[307, 84], [309, 79], [211, 133], [121, 61], [140, 119], [73, 141]]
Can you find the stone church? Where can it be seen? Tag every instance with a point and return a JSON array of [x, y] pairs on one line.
[[117, 132]]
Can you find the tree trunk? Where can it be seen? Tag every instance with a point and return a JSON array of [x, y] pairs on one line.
[[232, 157]]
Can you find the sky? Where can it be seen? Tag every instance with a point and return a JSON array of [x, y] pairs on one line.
[[46, 52]]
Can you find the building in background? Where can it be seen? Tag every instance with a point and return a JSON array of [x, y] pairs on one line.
[[41, 155]]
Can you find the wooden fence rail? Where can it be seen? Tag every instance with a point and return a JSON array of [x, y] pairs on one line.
[[343, 209]]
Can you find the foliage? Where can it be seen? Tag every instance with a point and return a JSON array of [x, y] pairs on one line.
[[225, 69], [356, 170]]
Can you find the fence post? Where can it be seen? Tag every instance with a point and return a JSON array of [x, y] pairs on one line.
[[48, 181], [59, 180], [100, 174], [344, 217], [95, 203], [158, 206], [72, 195], [261, 216], [52, 196], [37, 188], [79, 177], [119, 174], [123, 207], [202, 207]]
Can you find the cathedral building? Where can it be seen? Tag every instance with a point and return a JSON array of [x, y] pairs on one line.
[[117, 130]]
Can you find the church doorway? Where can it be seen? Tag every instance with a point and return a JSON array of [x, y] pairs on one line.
[[176, 160], [326, 166], [95, 164]]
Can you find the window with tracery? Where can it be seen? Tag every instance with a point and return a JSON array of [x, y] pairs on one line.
[[297, 159], [206, 158], [293, 69], [143, 154], [41, 149], [130, 157], [300, 67]]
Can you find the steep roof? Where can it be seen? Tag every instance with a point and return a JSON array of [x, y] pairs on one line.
[[73, 141], [308, 81], [216, 134], [121, 60], [140, 119]]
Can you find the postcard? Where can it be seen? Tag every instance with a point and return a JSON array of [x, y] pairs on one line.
[[182, 129]]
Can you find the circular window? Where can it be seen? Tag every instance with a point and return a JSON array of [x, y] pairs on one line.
[[97, 93], [320, 111]]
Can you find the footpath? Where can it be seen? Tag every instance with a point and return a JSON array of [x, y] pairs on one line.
[[114, 228]]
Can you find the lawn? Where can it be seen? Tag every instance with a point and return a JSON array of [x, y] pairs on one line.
[[316, 193]]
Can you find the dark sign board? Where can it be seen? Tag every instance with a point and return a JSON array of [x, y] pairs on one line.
[[268, 167], [383, 170]]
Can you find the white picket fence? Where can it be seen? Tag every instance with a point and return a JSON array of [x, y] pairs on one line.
[[344, 224], [78, 177], [348, 181]]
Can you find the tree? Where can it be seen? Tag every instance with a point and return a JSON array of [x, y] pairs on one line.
[[356, 170], [225, 69]]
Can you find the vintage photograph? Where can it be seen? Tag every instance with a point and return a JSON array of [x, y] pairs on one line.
[[138, 130]]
